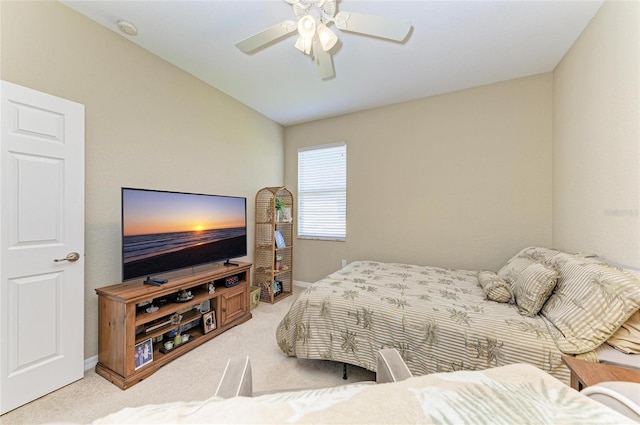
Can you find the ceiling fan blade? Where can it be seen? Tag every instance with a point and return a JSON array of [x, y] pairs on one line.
[[267, 36], [377, 26], [324, 61]]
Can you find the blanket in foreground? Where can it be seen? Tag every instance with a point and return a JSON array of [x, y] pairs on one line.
[[511, 394]]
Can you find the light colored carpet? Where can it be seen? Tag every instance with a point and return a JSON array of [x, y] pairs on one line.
[[193, 376]]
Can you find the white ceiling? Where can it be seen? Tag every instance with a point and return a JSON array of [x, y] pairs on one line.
[[453, 45]]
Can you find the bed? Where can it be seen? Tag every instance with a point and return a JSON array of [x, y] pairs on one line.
[[441, 320]]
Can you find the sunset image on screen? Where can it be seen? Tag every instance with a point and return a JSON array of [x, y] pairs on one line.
[[170, 230], [150, 212]]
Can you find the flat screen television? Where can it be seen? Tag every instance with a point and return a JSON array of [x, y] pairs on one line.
[[164, 231]]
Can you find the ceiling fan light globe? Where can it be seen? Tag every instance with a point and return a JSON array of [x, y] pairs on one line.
[[304, 45], [328, 38], [307, 27]]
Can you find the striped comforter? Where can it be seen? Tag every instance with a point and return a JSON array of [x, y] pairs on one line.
[[438, 319]]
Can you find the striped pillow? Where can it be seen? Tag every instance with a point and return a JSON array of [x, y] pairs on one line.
[[494, 288], [513, 268], [592, 300], [523, 259], [532, 288]]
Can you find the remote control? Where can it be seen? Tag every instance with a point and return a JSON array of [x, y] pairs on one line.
[[155, 281]]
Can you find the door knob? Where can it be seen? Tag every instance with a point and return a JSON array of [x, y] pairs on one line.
[[71, 257]]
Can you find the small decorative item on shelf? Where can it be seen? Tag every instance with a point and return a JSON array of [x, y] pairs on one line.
[[277, 263], [152, 309], [175, 320], [204, 307], [177, 340], [211, 287], [285, 214], [184, 296]]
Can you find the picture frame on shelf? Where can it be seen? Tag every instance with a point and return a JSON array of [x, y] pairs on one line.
[[280, 243], [284, 215], [209, 321], [144, 353], [277, 288]]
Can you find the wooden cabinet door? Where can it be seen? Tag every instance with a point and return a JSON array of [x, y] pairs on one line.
[[233, 304]]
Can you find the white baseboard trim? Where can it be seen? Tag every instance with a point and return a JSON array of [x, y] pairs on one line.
[[301, 284], [90, 363]]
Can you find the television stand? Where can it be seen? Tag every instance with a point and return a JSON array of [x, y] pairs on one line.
[[228, 263], [155, 281], [126, 326]]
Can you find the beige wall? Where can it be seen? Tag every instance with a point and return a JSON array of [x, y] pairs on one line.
[[148, 124], [596, 134], [458, 180]]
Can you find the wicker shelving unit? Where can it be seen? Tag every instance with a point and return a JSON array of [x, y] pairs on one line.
[[274, 264]]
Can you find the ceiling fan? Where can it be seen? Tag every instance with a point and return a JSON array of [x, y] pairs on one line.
[[316, 39]]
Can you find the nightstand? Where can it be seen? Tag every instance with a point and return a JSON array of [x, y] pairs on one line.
[[584, 373]]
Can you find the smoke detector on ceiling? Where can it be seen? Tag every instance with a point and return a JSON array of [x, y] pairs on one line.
[[128, 28]]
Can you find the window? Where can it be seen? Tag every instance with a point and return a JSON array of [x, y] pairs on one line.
[[322, 192]]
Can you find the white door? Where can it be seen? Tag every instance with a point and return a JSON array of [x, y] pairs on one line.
[[41, 221]]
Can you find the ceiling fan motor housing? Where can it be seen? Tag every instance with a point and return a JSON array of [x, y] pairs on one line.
[[321, 10]]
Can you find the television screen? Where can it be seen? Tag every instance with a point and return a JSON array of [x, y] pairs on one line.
[[164, 231]]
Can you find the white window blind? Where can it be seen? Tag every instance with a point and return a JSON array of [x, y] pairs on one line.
[[322, 192]]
